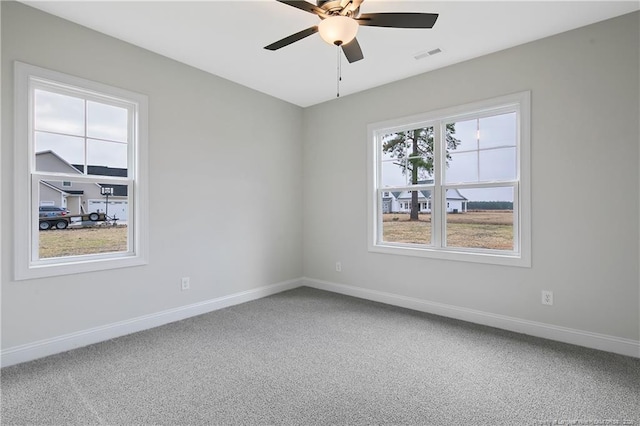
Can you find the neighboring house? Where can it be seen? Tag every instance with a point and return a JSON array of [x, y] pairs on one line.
[[77, 197], [456, 202], [390, 202], [400, 202]]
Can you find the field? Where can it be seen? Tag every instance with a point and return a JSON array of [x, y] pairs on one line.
[[477, 229], [79, 241], [491, 229]]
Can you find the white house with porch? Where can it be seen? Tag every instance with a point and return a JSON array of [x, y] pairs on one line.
[[400, 202]]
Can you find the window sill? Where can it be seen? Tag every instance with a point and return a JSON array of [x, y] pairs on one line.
[[460, 255], [77, 267]]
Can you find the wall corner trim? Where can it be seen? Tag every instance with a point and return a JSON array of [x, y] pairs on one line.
[[67, 342], [587, 339]]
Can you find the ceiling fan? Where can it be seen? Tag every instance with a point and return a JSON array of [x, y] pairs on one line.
[[340, 20]]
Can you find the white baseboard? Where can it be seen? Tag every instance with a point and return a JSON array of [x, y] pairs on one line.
[[42, 348], [587, 339]]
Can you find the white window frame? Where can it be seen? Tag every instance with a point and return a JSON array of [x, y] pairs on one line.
[[27, 265], [520, 103]]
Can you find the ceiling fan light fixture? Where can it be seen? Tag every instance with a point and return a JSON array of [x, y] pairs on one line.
[[338, 30]]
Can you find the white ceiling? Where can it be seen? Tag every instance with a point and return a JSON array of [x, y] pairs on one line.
[[226, 38]]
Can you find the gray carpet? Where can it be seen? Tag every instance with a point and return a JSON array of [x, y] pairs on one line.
[[311, 357]]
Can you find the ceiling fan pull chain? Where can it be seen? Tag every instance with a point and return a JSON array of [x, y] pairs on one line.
[[339, 71]]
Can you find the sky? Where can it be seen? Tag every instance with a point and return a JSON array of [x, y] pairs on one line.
[[486, 153]]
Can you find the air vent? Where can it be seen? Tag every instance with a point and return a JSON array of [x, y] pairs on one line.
[[423, 55]]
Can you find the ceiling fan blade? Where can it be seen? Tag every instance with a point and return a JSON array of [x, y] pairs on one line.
[[398, 20], [292, 38], [304, 5], [352, 51]]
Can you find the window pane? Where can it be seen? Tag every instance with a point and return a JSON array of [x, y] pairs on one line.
[[59, 113], [104, 156], [498, 164], [397, 223], [106, 122], [56, 153], [466, 132], [485, 150], [407, 157], [499, 130], [76, 220], [462, 167], [480, 218], [392, 175]]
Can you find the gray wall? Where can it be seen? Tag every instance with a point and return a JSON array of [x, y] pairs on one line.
[[224, 185], [585, 190]]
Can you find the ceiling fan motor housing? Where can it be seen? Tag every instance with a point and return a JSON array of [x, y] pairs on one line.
[[337, 7]]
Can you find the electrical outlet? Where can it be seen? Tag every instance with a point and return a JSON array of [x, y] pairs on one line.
[[547, 297], [185, 284], [338, 267]]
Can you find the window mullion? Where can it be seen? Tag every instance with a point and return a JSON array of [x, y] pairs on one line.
[[478, 147], [490, 184], [132, 155], [85, 169], [516, 217], [437, 231], [34, 235], [115, 180], [378, 215], [377, 212]]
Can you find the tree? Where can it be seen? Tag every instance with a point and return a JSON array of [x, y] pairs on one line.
[[414, 151]]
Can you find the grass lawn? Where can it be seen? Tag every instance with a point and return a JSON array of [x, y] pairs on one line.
[[79, 241], [484, 229]]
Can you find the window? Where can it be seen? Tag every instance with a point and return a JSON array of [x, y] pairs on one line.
[[459, 178], [74, 139]]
